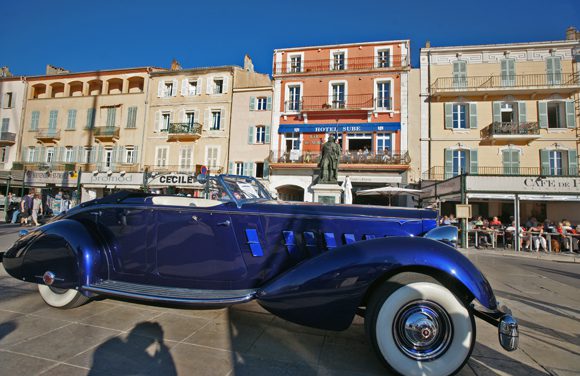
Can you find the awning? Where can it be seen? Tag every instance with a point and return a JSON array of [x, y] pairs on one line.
[[342, 127], [549, 198]]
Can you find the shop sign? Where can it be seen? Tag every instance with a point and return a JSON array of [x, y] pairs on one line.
[[134, 178], [58, 178], [341, 127], [392, 179], [524, 184], [167, 180]]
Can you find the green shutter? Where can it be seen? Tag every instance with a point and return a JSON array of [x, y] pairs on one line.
[[507, 162], [250, 135], [496, 109], [473, 115], [232, 168], [132, 117], [90, 118], [448, 163], [24, 155], [572, 162], [554, 70], [250, 169], [448, 115], [35, 120], [267, 134], [511, 161], [473, 162], [252, 103], [543, 114], [545, 161], [570, 115], [72, 117], [269, 103], [522, 112], [266, 170]]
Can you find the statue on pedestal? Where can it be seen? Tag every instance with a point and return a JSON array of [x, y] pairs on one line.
[[329, 161]]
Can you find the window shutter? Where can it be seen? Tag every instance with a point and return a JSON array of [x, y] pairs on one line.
[[24, 155], [522, 117], [174, 87], [207, 118], [512, 70], [61, 154], [199, 86], [114, 155], [448, 163], [572, 162], [252, 103], [570, 115], [267, 134], [160, 89], [74, 154], [473, 162], [507, 163], [554, 70], [269, 103], [225, 87], [182, 118], [184, 87], [448, 115], [250, 169], [99, 154], [157, 120], [135, 154], [473, 115], [496, 109], [121, 157], [266, 170], [545, 161], [543, 114], [251, 135], [504, 69], [232, 169], [42, 154], [208, 85]]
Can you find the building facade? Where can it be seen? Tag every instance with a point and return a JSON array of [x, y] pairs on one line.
[[357, 92], [508, 110]]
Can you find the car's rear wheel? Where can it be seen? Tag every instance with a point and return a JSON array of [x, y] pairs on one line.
[[420, 328], [61, 298]]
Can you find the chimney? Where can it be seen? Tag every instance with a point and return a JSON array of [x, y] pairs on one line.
[[5, 72], [572, 33], [52, 70], [428, 44], [248, 65], [175, 65]]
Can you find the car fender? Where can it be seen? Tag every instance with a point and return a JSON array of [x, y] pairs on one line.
[[65, 247], [326, 291]]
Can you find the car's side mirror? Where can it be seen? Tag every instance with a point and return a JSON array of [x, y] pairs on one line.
[[201, 178], [22, 233]]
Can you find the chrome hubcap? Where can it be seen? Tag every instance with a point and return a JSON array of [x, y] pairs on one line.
[[422, 330]]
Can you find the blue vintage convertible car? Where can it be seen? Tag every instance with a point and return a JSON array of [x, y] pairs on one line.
[[312, 264]]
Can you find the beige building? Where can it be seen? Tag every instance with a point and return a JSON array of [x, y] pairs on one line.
[[505, 110], [89, 121]]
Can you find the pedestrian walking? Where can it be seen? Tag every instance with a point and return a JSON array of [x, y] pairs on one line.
[[36, 209], [26, 208]]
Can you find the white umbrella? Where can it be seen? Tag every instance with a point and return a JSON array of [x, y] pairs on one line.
[[388, 191], [347, 188]]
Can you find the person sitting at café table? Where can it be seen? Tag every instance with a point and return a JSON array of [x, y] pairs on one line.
[[562, 239], [495, 223], [484, 237], [536, 238]]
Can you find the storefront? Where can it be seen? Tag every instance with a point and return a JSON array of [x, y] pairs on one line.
[[175, 183], [97, 185], [58, 188]]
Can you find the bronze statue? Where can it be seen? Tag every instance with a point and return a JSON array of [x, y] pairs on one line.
[[329, 161]]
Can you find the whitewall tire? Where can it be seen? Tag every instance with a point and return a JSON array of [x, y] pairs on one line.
[[420, 328], [61, 298]]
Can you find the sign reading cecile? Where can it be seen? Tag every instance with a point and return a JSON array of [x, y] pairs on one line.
[[167, 180], [524, 184]]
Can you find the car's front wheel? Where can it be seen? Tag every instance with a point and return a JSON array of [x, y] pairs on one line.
[[420, 328], [61, 298]]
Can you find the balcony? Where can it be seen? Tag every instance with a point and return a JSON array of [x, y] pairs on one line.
[[48, 135], [182, 169], [44, 166], [565, 83], [183, 132], [322, 103], [511, 132], [7, 138], [113, 167], [106, 134], [348, 160], [353, 64], [438, 172]]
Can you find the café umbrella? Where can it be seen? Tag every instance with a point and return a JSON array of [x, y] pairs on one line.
[[388, 191]]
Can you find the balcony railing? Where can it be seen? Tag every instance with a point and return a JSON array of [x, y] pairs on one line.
[[182, 169], [345, 158], [509, 129], [75, 166], [48, 134], [345, 103], [7, 138], [183, 131], [505, 82], [438, 172], [106, 132], [348, 64]]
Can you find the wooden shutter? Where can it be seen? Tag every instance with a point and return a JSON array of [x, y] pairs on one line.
[[252, 103], [209, 85], [267, 134], [251, 135], [507, 161], [554, 70], [543, 114], [473, 115], [99, 154], [572, 162], [24, 155], [496, 109], [225, 84], [199, 86], [250, 169], [160, 89], [174, 87], [473, 162], [522, 116], [74, 153], [181, 116], [207, 121], [448, 163], [42, 154], [545, 161], [570, 115], [232, 168], [157, 120], [185, 87], [269, 103], [448, 115], [266, 169]]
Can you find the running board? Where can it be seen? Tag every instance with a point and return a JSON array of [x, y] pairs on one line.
[[171, 294]]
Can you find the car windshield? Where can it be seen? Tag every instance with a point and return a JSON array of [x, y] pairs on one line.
[[236, 188]]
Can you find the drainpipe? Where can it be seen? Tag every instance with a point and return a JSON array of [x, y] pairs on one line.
[[228, 152], [429, 109], [21, 130], [463, 220], [142, 159]]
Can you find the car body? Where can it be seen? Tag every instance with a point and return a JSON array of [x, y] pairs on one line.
[[312, 264]]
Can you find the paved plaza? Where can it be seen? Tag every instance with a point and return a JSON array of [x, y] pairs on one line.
[[114, 337]]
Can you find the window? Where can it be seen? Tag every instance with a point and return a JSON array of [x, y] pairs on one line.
[[292, 141], [129, 155], [68, 154], [192, 88], [218, 86], [360, 142], [459, 162], [87, 154], [132, 117], [338, 61], [185, 154], [91, 115], [34, 120], [338, 95], [52, 119], [508, 72], [111, 115], [161, 156], [384, 143], [383, 58], [169, 88], [5, 125], [384, 95], [8, 100], [554, 70], [190, 118], [211, 159], [459, 116], [108, 161], [459, 73], [293, 98], [508, 113], [260, 134], [72, 119], [511, 161], [216, 120], [165, 121], [49, 155], [556, 115], [262, 103], [4, 153], [31, 155], [556, 162], [295, 63], [239, 168]]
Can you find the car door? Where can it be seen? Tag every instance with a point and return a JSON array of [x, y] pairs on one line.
[[197, 248]]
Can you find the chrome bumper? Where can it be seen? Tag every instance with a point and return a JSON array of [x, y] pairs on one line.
[[507, 326]]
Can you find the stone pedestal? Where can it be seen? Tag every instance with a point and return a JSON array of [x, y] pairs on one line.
[[327, 193]]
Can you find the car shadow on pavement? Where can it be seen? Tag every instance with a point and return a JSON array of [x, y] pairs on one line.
[[488, 361], [548, 307], [7, 328], [142, 352]]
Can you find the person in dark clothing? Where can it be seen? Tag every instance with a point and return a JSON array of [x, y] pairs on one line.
[[26, 208]]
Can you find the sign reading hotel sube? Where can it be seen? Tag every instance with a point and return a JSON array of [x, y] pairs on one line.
[[524, 184]]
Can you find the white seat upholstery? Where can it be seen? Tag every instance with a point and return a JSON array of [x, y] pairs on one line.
[[184, 201]]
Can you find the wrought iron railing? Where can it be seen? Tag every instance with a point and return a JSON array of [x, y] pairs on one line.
[[346, 64], [346, 102], [7, 136], [75, 166], [182, 169], [451, 84], [47, 133], [402, 158], [510, 129], [184, 128], [438, 172], [106, 132]]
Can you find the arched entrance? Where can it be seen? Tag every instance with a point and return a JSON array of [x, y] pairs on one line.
[[290, 193]]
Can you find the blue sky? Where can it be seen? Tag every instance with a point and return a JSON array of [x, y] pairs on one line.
[[82, 35]]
